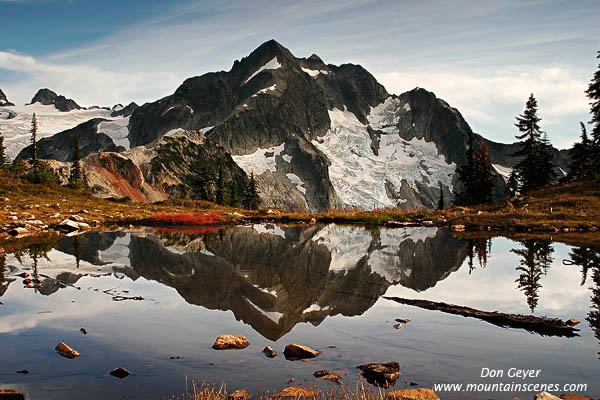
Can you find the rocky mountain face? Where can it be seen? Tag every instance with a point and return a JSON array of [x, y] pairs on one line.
[[316, 136], [48, 97], [4, 100]]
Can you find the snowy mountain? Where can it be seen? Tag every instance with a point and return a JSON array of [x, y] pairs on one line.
[[3, 100], [315, 135]]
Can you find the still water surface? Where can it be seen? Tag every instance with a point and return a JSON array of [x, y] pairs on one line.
[[320, 286]]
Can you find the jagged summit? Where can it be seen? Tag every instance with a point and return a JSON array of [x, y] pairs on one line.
[[120, 111], [48, 97], [4, 100]]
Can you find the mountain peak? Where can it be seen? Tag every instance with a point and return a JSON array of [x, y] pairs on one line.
[[3, 100], [47, 97]]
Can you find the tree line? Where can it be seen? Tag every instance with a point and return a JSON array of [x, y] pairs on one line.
[[536, 167]]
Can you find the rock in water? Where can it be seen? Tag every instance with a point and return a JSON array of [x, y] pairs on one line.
[[269, 352], [333, 377], [382, 375], [297, 352], [321, 373], [8, 394], [571, 322], [120, 373], [226, 342], [240, 394], [412, 394], [66, 351], [296, 392]]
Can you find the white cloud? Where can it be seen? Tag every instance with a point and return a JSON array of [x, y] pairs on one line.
[[495, 97]]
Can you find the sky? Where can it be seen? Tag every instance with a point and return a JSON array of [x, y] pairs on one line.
[[483, 57]]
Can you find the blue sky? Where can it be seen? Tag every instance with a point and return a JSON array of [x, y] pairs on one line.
[[483, 57]]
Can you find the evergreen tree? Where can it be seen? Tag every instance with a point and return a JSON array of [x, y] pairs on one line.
[[251, 199], [482, 185], [76, 179], [581, 157], [233, 198], [220, 192], [535, 168], [593, 93], [441, 200], [513, 183], [203, 181], [34, 130], [465, 175]]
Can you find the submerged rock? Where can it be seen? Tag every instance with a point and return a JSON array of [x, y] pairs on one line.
[[226, 342], [66, 351], [120, 373], [297, 352], [412, 394], [321, 373], [382, 375]]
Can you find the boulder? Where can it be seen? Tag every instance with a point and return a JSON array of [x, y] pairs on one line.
[[571, 322], [382, 375], [227, 342], [333, 377], [18, 231], [297, 352], [66, 351], [9, 394], [72, 226], [240, 394], [457, 228], [120, 373], [77, 218], [269, 352], [545, 396], [296, 392], [412, 394]]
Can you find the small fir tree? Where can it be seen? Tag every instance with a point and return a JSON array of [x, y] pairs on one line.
[[4, 161], [465, 175], [234, 200], [441, 200], [482, 184], [535, 168], [593, 93], [76, 178], [513, 183], [251, 198], [220, 192], [34, 131], [581, 157]]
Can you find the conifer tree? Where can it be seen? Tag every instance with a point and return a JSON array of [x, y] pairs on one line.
[[34, 130], [465, 175], [251, 199], [513, 183], [593, 93], [535, 168], [76, 178], [203, 181], [233, 198], [581, 157], [220, 190], [441, 200], [482, 184]]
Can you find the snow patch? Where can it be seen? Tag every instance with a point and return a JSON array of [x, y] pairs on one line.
[[359, 176], [261, 161], [174, 132], [316, 307], [287, 158], [295, 179], [50, 121], [266, 90], [117, 130], [347, 245], [315, 72], [502, 170], [272, 315], [273, 64], [269, 229], [208, 128], [406, 107]]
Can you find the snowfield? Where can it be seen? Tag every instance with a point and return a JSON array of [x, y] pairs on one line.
[[117, 130], [16, 131], [259, 162], [315, 72], [359, 176], [273, 64]]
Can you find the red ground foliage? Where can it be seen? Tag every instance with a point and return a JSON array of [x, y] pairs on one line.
[[186, 231], [195, 219]]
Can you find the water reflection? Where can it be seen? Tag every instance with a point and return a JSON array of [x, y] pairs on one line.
[[535, 261], [479, 247]]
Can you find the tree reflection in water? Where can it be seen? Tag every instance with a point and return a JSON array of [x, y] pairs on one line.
[[536, 258]]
